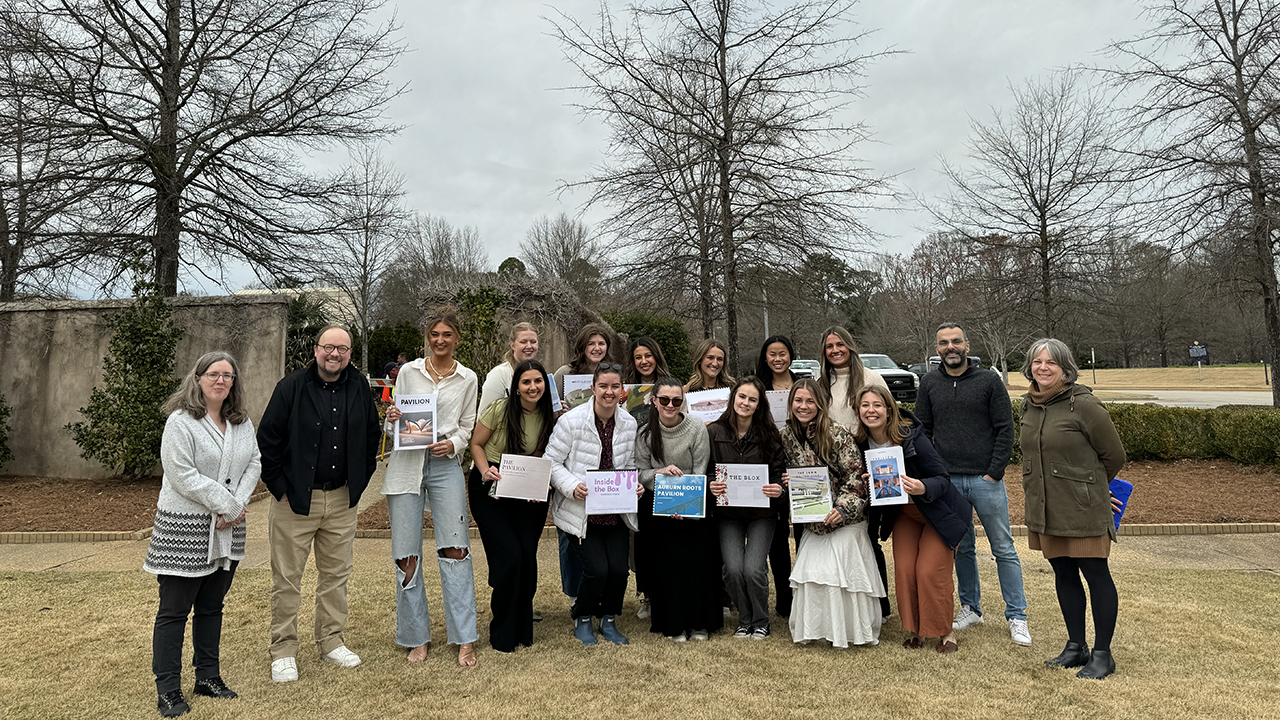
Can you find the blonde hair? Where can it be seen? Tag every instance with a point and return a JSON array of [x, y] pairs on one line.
[[510, 354], [189, 398], [895, 425], [724, 379], [823, 439]]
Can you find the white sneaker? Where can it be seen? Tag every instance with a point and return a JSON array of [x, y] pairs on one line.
[[284, 670], [1019, 632], [341, 657], [966, 617], [644, 610], [678, 638], [699, 635]]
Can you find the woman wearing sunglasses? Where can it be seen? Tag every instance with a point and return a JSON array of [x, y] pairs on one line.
[[683, 578]]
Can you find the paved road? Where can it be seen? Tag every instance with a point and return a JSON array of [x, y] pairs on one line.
[[1190, 398]]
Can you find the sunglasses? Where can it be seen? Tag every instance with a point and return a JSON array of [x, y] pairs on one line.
[[673, 402], [608, 367]]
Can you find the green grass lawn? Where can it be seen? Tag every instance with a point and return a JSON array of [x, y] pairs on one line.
[[1191, 644]]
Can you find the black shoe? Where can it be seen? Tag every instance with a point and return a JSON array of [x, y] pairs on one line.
[[214, 688], [1073, 655], [1100, 665], [172, 704]]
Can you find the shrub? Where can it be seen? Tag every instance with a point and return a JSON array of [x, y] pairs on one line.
[[6, 454], [481, 347], [1247, 435], [667, 331], [388, 341], [123, 422], [306, 317]]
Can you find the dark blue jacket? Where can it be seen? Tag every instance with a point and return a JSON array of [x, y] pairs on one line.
[[948, 512]]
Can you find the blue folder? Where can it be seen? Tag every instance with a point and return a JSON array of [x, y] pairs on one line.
[[1122, 490]]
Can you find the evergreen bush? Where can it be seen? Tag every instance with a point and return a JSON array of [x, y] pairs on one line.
[[669, 333], [6, 454]]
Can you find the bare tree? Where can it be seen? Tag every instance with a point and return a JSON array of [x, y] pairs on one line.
[[563, 248], [431, 250], [741, 97], [204, 108], [1046, 179], [914, 295], [1208, 116], [371, 224]]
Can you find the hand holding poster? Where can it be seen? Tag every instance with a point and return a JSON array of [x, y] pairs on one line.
[[416, 427], [745, 485], [885, 467], [810, 491], [684, 496], [707, 405], [577, 390], [524, 478], [612, 492]]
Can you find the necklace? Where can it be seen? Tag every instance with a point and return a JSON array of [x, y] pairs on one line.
[[432, 362]]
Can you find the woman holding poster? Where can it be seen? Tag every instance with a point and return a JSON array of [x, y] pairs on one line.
[[648, 365], [683, 575], [746, 434], [773, 367], [594, 436], [590, 348], [517, 425], [834, 581], [524, 346], [843, 375], [926, 530], [430, 477], [710, 361]]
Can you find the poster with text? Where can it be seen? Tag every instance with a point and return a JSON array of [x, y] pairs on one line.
[[416, 427], [577, 390], [524, 478], [778, 406], [885, 467], [745, 485], [685, 496], [707, 405], [810, 492], [611, 492]]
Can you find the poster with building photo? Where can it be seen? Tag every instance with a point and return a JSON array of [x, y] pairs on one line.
[[707, 405], [810, 494], [577, 390], [416, 427], [885, 467]]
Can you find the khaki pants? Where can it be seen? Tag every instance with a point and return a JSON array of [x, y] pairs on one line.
[[331, 529]]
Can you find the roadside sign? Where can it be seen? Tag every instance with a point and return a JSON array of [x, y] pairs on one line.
[[1198, 351]]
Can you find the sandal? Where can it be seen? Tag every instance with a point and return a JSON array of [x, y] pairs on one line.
[[467, 656], [914, 642], [947, 646], [419, 654]]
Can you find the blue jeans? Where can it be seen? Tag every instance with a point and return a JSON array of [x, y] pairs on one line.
[[991, 502], [443, 483], [570, 563]]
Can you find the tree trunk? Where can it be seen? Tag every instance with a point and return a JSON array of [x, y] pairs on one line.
[[1046, 279], [164, 165], [724, 165]]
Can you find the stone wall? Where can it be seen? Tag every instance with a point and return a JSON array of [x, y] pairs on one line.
[[51, 358]]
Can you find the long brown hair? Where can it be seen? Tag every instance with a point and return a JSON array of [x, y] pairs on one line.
[[766, 431], [513, 413], [823, 439], [189, 398], [652, 434], [660, 369], [724, 379], [579, 364], [896, 426], [857, 373]]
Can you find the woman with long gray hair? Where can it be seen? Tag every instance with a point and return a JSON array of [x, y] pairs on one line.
[[211, 466]]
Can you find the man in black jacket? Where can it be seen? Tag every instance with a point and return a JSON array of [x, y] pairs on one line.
[[966, 411], [319, 441]]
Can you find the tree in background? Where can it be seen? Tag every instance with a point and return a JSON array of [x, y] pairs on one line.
[[481, 346], [203, 110], [563, 248], [512, 268], [741, 97], [306, 317], [432, 250], [669, 333], [1045, 180], [1208, 124], [123, 422]]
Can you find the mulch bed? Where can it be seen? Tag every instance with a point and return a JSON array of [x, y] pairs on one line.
[[375, 517], [1185, 491], [42, 504]]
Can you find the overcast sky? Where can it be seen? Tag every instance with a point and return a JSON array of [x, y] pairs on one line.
[[488, 137]]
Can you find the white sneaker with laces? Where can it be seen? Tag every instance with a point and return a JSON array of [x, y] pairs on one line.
[[341, 657], [966, 617], [1019, 632], [700, 635], [284, 670], [677, 638]]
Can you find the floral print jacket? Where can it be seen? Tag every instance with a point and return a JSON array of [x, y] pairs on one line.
[[848, 489]]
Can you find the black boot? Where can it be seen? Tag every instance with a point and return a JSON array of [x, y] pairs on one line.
[[1100, 665], [172, 704], [1073, 655]]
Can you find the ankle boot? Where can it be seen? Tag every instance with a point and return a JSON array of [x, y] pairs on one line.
[[1101, 664], [610, 631], [1073, 655], [582, 630]]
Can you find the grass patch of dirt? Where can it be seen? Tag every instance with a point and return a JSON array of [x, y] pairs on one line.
[[43, 504]]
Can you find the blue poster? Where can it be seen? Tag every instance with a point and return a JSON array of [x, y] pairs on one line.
[[685, 496]]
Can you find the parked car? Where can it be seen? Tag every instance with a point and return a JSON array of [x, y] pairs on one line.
[[919, 369], [974, 361], [806, 368], [902, 383]]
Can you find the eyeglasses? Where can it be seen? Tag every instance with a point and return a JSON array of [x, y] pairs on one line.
[[215, 377], [341, 349], [957, 343], [673, 402]]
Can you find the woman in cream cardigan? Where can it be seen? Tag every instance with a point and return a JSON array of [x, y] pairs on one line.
[[211, 466], [431, 477]]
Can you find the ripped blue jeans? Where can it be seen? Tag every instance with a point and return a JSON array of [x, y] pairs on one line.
[[443, 484]]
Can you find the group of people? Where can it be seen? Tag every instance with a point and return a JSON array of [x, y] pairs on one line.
[[317, 444]]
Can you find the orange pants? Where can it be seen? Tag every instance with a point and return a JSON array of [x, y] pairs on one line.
[[922, 565]]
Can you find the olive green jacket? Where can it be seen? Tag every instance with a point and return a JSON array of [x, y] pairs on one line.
[[1070, 452]]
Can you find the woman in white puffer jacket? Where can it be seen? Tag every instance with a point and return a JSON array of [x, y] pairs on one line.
[[589, 437]]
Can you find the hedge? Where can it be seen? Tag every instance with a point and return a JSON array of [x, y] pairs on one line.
[[1248, 435]]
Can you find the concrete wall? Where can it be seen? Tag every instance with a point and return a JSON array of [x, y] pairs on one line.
[[51, 358]]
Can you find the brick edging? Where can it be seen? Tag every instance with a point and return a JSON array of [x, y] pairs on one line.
[[29, 538], [1141, 529]]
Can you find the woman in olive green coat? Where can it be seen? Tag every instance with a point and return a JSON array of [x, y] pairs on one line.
[[1070, 452]]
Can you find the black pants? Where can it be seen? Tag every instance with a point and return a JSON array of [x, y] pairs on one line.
[[780, 564], [604, 570], [510, 530], [875, 521], [178, 596]]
